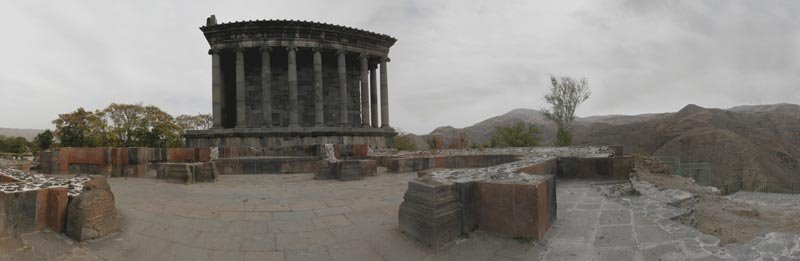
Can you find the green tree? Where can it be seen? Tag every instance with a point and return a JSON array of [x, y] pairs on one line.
[[194, 122], [81, 128], [566, 94], [134, 125], [44, 140], [404, 142], [517, 135]]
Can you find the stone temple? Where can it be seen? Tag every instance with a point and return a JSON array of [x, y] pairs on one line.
[[279, 83]]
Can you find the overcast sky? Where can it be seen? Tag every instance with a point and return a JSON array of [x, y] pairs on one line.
[[455, 62]]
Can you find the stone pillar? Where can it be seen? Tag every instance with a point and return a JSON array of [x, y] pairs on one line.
[[364, 91], [241, 122], [373, 93], [216, 88], [266, 87], [319, 117], [384, 93], [342, 88], [293, 86]]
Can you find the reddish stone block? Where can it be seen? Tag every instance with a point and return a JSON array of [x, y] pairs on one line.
[[52, 209], [494, 209], [204, 154], [180, 155], [360, 151]]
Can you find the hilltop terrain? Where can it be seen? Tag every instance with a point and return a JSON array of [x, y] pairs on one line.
[[760, 142]]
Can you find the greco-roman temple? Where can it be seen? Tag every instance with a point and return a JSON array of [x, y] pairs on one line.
[[279, 83]]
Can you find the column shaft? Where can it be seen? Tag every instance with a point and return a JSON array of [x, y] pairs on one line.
[[319, 117], [384, 93], [293, 122], [241, 122], [373, 95], [364, 92], [342, 88], [216, 88], [266, 87]]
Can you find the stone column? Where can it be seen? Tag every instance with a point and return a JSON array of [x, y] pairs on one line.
[[319, 117], [373, 93], [266, 87], [241, 122], [384, 93], [342, 88], [293, 87], [364, 91], [216, 88]]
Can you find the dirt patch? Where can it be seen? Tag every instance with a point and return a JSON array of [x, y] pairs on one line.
[[731, 221]]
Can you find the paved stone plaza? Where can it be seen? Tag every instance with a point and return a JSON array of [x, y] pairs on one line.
[[294, 217]]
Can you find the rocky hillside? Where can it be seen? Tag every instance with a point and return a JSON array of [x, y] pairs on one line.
[[753, 142]]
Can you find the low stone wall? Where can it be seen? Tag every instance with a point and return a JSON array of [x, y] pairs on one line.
[[616, 168], [125, 161], [380, 139], [267, 165], [188, 173], [346, 170], [408, 164]]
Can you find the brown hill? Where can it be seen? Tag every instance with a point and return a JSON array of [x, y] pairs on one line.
[[28, 134], [754, 142]]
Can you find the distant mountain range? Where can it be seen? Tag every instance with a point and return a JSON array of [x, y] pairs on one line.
[[752, 142], [28, 134]]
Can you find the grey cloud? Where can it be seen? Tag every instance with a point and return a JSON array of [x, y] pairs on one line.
[[456, 62]]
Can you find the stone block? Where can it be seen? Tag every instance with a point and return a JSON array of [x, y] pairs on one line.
[[52, 209], [622, 167], [430, 213], [567, 167], [92, 214], [181, 155], [18, 212]]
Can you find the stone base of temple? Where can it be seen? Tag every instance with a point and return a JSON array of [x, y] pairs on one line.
[[277, 137]]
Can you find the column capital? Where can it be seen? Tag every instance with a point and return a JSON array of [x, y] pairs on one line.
[[265, 49], [214, 51], [364, 56], [316, 49], [291, 48], [385, 59], [341, 51], [238, 49]]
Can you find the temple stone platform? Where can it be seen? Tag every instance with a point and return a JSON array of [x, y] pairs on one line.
[[508, 191]]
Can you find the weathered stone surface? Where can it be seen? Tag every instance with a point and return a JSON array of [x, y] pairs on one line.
[[431, 212], [18, 212], [92, 214], [346, 170], [52, 209]]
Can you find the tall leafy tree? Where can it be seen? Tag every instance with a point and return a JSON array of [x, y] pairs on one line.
[[565, 95], [81, 128], [44, 140], [194, 122]]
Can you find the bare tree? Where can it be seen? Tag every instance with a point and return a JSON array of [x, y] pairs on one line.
[[566, 94]]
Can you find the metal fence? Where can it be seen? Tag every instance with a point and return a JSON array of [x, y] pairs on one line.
[[701, 173], [760, 186]]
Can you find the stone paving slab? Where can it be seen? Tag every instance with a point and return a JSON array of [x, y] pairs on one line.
[[294, 217]]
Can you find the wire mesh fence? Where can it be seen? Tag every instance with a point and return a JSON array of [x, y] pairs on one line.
[[760, 186], [702, 175]]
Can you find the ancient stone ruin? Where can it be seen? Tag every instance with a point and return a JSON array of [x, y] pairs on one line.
[[278, 83], [506, 191], [82, 207]]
